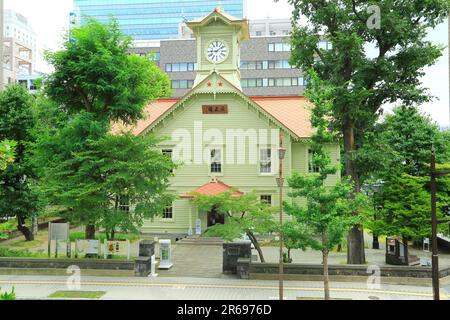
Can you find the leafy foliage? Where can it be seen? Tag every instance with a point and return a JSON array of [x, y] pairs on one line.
[[6, 153], [94, 73], [405, 138], [328, 213], [245, 214], [17, 196], [8, 295], [366, 66], [114, 181]]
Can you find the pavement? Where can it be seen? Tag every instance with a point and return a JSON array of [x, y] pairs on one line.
[[180, 288]]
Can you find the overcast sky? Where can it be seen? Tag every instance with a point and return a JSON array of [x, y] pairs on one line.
[[49, 19]]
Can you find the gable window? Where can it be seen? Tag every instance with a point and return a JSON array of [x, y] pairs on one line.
[[124, 205], [216, 161], [312, 168], [266, 199], [265, 160], [168, 153], [168, 213]]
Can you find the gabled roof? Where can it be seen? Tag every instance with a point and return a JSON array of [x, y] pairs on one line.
[[212, 188], [291, 114], [227, 18]]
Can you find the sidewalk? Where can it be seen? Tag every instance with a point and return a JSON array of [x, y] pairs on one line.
[[177, 288]]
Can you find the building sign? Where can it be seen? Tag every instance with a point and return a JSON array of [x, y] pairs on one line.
[[84, 247], [116, 248], [215, 109], [58, 231]]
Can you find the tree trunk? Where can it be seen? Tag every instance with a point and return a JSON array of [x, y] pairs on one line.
[[90, 232], [355, 245], [113, 234], [405, 242], [326, 279], [257, 246], [24, 229]]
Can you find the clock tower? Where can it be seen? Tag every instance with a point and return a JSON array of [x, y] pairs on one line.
[[219, 38]]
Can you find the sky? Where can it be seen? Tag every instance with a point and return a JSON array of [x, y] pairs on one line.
[[49, 19]]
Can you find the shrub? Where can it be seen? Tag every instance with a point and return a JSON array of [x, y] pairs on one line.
[[81, 236], [6, 252], [8, 296]]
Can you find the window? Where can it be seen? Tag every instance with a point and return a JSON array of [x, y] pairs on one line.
[[278, 47], [273, 33], [258, 33], [183, 67], [168, 213], [216, 161], [265, 161], [271, 47], [168, 67], [312, 168], [124, 204], [168, 153], [267, 199]]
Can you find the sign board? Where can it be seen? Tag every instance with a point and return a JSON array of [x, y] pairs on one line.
[[198, 226], [58, 231], [116, 248], [84, 247], [165, 253]]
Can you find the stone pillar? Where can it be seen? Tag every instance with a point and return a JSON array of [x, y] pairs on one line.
[[142, 266], [232, 252], [146, 248]]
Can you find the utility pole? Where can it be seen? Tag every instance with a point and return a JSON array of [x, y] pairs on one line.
[[2, 57]]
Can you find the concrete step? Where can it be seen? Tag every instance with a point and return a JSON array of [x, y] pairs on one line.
[[197, 240]]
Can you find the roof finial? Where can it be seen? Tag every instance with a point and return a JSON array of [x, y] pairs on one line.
[[219, 6]]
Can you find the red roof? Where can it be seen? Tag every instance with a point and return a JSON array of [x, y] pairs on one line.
[[212, 188], [291, 111]]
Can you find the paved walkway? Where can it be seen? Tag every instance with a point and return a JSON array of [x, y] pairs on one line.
[[177, 288], [195, 261]]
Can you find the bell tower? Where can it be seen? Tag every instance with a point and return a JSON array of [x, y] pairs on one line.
[[219, 37]]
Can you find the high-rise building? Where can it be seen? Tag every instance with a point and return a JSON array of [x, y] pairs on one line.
[[19, 46], [154, 19]]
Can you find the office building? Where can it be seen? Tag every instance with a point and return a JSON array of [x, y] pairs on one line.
[[19, 47], [154, 19], [264, 60]]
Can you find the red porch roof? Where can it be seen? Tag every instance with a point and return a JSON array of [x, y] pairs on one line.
[[212, 188]]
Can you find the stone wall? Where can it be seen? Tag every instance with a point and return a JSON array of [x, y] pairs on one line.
[[247, 269], [27, 263]]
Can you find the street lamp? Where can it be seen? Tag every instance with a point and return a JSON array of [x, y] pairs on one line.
[[377, 187], [280, 184]]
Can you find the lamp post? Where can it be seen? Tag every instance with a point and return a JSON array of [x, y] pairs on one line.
[[280, 183], [377, 186]]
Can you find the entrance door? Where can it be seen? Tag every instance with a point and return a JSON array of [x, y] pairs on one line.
[[215, 218]]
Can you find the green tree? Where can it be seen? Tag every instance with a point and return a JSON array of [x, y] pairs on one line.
[[373, 60], [119, 181], [6, 153], [327, 214], [245, 214], [405, 138], [95, 83], [95, 73], [17, 195]]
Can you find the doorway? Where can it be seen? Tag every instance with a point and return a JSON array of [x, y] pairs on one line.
[[215, 217]]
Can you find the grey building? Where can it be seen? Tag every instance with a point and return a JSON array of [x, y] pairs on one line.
[[265, 69]]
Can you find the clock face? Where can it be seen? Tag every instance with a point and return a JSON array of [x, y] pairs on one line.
[[217, 51]]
